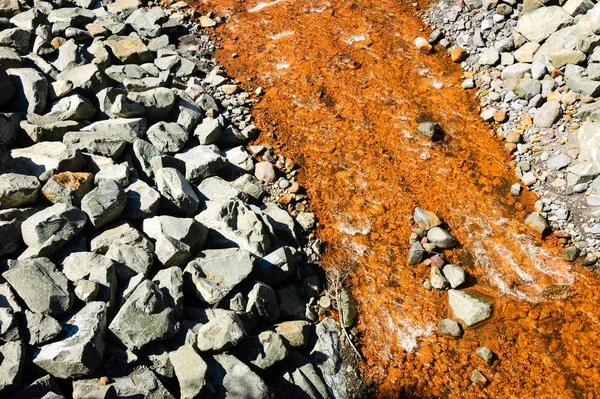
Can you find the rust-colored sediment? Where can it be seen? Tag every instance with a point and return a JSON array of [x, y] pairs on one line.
[[344, 89]]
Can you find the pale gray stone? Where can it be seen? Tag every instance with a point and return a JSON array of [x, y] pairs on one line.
[[469, 307]]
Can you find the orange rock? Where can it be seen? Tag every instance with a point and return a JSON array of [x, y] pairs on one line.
[[500, 116], [458, 55]]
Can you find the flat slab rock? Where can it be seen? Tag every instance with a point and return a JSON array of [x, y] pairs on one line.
[[469, 307]]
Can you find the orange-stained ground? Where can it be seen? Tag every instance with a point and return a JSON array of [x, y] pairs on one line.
[[344, 88]]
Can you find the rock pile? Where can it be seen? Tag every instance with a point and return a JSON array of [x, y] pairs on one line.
[[536, 69], [145, 251]]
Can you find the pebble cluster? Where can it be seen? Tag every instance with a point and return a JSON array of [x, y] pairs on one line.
[[536, 68], [145, 252]]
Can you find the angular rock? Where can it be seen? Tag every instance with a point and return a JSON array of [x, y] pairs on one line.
[[454, 274], [105, 144], [130, 50], [585, 86], [74, 107], [80, 352], [441, 238], [74, 16], [525, 88], [237, 222], [516, 71], [425, 219], [96, 268], [177, 194], [144, 318], [262, 302], [559, 162], [214, 188], [170, 283], [276, 266], [104, 204], [88, 79], [32, 90], [537, 222], [11, 366], [215, 272], [437, 279], [143, 152], [296, 332], [208, 131], [538, 25], [68, 187], [186, 230], [121, 234], [42, 328], [450, 327], [264, 350], [489, 56], [429, 130], [326, 357], [50, 229], [115, 173], [167, 137], [190, 370], [347, 309], [222, 332], [232, 378], [548, 114], [158, 102], [131, 260], [187, 114], [416, 253], [201, 162], [18, 190], [469, 307], [42, 287], [142, 201], [10, 228], [16, 38]]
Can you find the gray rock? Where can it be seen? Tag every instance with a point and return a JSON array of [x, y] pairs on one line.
[[306, 220], [209, 130], [416, 253], [40, 285], [96, 268], [18, 190], [526, 52], [437, 279], [71, 16], [131, 260], [190, 370], [125, 108], [129, 50], [167, 137], [537, 222], [489, 56], [585, 86], [140, 383], [10, 228], [214, 273], [224, 331], [104, 144], [264, 350], [142, 201], [177, 194], [80, 352], [144, 318], [485, 354], [262, 302], [11, 366], [50, 229], [450, 327], [278, 222], [42, 328], [425, 219], [121, 234], [45, 387], [172, 252], [9, 58], [7, 87], [201, 162], [170, 282], [16, 38], [143, 152], [9, 326], [233, 379], [326, 357], [68, 188], [238, 223], [158, 102], [454, 274], [548, 114], [469, 307], [113, 173], [88, 79], [187, 114], [32, 90], [429, 130], [104, 204], [251, 186], [186, 230], [441, 238], [214, 188], [559, 162], [126, 129], [516, 71], [560, 58], [42, 130], [525, 88], [538, 25], [276, 266], [303, 379], [147, 22], [239, 161], [167, 161], [8, 8]]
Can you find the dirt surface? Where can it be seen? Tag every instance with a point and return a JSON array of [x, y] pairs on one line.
[[343, 89]]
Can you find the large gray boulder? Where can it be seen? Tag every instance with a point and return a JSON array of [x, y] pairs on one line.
[[16, 38], [50, 229], [125, 129], [142, 201], [71, 16], [104, 144], [41, 328], [201, 162], [131, 260], [238, 223], [10, 228], [18, 190], [121, 234], [88, 79], [9, 128], [32, 90], [441, 238], [548, 114], [525, 88], [74, 107], [177, 194], [144, 318], [104, 204], [68, 187], [186, 230], [327, 358], [168, 137], [233, 379], [264, 350], [276, 266], [538, 25], [469, 307], [215, 272], [158, 102], [40, 285], [190, 370], [80, 352], [143, 153], [262, 302]]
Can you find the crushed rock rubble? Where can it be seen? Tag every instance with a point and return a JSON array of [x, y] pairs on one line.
[[147, 250]]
